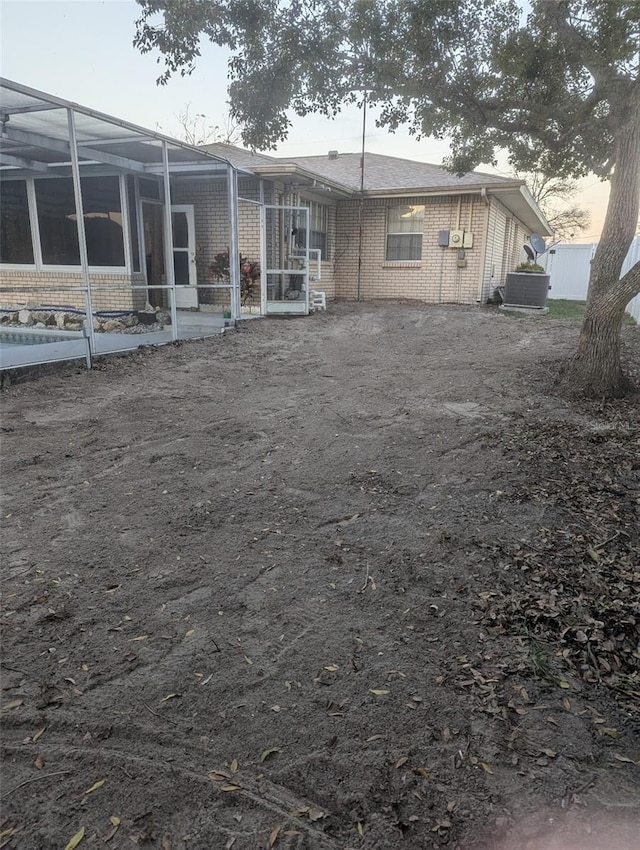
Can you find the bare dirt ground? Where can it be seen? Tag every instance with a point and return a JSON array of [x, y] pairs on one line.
[[354, 581]]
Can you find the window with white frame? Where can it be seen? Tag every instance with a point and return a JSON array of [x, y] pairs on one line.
[[318, 228], [57, 221], [404, 232], [52, 203]]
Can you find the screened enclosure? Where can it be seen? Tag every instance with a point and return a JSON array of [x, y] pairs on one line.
[[107, 231]]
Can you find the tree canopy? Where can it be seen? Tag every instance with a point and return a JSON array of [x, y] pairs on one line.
[[557, 86]]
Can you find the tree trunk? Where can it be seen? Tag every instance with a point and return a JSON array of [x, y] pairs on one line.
[[596, 369]]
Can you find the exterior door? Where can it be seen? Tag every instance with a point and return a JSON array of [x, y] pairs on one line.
[[285, 260], [184, 257]]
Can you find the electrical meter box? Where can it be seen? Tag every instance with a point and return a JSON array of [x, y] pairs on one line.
[[455, 238], [467, 239]]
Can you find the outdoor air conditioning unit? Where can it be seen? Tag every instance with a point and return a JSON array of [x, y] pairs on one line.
[[524, 289]]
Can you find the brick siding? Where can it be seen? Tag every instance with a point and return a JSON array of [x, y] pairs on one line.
[[108, 291]]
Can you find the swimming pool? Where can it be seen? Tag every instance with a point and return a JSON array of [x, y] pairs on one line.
[[18, 336]]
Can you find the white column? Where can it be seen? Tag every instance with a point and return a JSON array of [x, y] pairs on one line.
[[169, 271], [234, 245], [82, 237]]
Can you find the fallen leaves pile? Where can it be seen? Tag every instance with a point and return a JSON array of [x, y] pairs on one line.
[[573, 589]]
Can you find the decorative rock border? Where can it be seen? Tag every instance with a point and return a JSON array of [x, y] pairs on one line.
[[70, 319]]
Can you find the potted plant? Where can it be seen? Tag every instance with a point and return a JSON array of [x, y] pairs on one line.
[[219, 270], [527, 286]]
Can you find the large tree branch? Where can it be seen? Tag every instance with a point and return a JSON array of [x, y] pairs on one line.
[[557, 15]]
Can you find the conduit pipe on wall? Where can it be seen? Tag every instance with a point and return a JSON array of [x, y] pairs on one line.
[[485, 238]]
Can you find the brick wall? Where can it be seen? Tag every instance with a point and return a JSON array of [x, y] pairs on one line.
[[108, 291], [436, 278]]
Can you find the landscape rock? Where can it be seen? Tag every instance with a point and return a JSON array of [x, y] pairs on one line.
[[25, 317], [73, 324], [112, 326]]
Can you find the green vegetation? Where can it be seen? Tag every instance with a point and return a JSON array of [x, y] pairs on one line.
[[563, 308]]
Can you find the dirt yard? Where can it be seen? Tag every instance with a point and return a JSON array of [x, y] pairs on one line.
[[351, 582]]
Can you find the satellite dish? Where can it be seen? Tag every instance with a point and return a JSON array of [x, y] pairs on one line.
[[529, 252], [538, 243]]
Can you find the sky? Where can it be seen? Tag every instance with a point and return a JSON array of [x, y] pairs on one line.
[[82, 50]]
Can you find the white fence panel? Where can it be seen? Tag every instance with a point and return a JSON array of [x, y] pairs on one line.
[[633, 257], [569, 267]]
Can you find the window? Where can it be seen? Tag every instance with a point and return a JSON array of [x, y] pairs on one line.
[[404, 232], [102, 221], [57, 222], [16, 245], [149, 189], [133, 224], [318, 228]]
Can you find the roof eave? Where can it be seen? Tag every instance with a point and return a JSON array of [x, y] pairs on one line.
[[524, 207], [431, 191], [290, 171]]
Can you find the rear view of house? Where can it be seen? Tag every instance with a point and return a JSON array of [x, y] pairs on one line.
[[111, 226]]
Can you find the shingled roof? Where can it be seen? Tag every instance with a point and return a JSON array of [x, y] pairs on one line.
[[239, 157], [389, 173], [381, 173], [385, 176]]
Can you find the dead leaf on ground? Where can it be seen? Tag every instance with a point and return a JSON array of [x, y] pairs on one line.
[[270, 751], [234, 765], [486, 767], [218, 776], [378, 692], [273, 837], [170, 696], [13, 704], [229, 788], [95, 786], [401, 761], [39, 734], [39, 762], [115, 824], [77, 838], [625, 759]]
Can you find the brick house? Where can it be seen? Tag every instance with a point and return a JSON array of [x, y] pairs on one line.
[[156, 213], [416, 231]]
